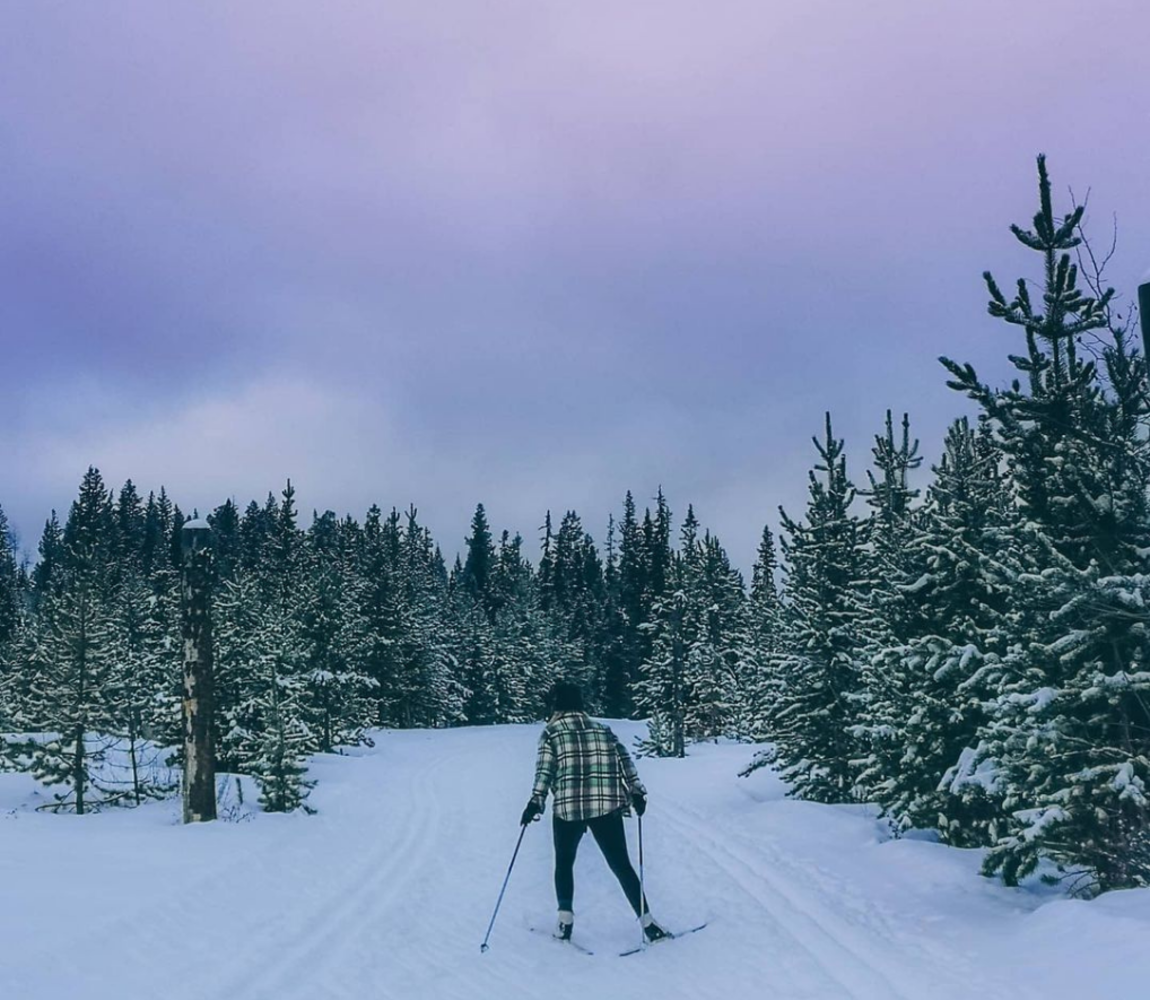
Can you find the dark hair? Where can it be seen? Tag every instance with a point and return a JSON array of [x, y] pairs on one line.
[[566, 697]]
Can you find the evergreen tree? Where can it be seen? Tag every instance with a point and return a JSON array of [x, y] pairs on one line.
[[757, 682], [926, 690], [333, 643], [11, 598], [70, 664], [475, 574], [690, 682], [817, 668], [662, 689], [1066, 741]]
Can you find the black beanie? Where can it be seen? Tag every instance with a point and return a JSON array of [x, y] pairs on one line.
[[566, 697]]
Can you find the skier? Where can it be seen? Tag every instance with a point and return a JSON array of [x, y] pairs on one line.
[[593, 783]]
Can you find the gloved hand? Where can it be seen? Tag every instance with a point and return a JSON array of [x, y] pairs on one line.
[[531, 812], [640, 803]]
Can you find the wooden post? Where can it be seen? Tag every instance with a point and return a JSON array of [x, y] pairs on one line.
[[199, 784]]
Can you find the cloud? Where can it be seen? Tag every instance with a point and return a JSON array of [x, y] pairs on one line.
[[527, 253]]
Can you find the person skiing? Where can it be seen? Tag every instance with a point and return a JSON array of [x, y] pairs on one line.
[[593, 784]]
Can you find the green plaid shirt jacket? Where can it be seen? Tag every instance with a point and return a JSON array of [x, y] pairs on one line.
[[587, 770]]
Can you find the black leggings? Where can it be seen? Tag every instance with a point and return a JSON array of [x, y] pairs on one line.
[[608, 833]]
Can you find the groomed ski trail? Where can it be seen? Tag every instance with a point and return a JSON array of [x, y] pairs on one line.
[[386, 892]]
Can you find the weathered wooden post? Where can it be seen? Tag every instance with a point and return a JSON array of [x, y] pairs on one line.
[[199, 786]]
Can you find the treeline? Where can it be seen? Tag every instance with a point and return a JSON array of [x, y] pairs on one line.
[[325, 632], [971, 655], [977, 662]]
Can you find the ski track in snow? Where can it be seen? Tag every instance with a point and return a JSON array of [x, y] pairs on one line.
[[386, 892], [850, 972]]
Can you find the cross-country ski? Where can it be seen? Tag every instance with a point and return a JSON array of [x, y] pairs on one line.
[[669, 936], [569, 941]]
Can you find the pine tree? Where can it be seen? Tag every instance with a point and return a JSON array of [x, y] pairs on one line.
[[633, 609], [11, 599], [1066, 742], [614, 688], [433, 691], [333, 643], [475, 574], [662, 689], [690, 682], [926, 690], [757, 682], [70, 665], [817, 669], [12, 619]]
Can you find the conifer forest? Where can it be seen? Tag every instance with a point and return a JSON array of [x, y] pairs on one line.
[[959, 638]]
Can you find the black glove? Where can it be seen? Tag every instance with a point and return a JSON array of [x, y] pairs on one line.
[[640, 803], [533, 810]]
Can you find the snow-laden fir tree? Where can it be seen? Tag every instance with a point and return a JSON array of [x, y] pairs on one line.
[[757, 681], [689, 683], [433, 694], [926, 688], [1067, 741], [69, 697], [333, 643], [12, 624], [817, 670], [265, 672], [11, 596]]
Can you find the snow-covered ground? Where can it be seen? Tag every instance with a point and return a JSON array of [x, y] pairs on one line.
[[387, 891]]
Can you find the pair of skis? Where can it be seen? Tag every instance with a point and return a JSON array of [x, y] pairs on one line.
[[623, 954]]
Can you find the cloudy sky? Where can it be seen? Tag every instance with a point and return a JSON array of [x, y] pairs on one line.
[[529, 253]]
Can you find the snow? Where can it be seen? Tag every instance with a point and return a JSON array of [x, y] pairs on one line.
[[386, 892]]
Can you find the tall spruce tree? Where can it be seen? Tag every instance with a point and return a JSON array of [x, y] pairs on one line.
[[1067, 740], [818, 690], [926, 690], [74, 656]]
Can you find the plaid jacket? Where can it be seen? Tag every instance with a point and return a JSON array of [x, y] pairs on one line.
[[585, 767]]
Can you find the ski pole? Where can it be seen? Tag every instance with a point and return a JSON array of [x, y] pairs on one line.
[[506, 879], [642, 891]]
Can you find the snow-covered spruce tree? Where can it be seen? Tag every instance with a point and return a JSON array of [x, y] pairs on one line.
[[382, 610], [433, 695], [718, 659], [661, 692], [572, 591], [817, 669], [757, 687], [890, 527], [12, 624], [11, 596], [142, 679], [500, 670], [475, 575], [333, 643], [926, 688], [68, 690], [1067, 741], [614, 684], [688, 684], [489, 685], [627, 637], [260, 642]]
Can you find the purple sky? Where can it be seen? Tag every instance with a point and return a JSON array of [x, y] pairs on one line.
[[528, 253]]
